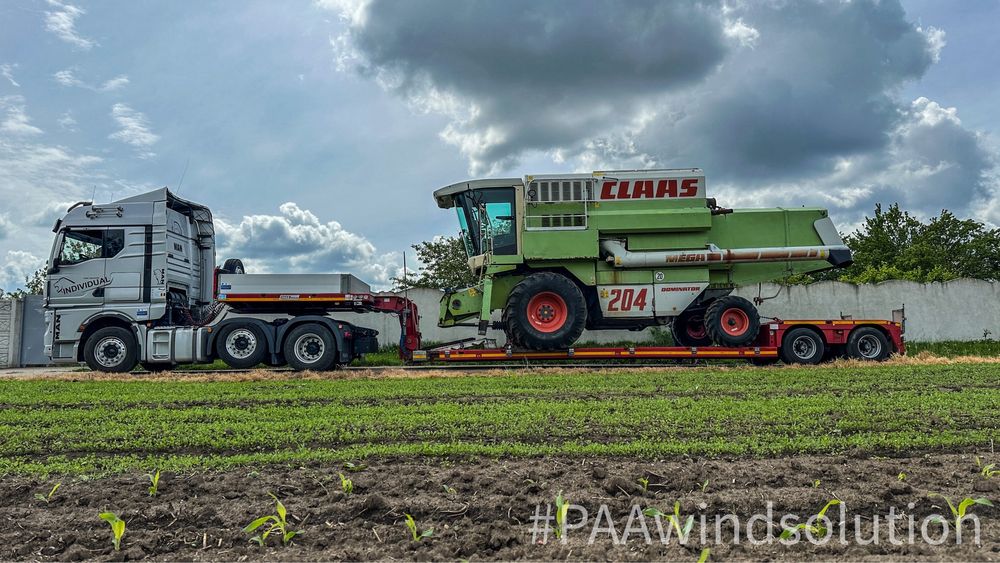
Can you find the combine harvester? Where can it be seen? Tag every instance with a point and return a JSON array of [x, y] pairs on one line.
[[135, 281]]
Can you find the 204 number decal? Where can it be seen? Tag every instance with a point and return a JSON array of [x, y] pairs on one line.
[[626, 299]]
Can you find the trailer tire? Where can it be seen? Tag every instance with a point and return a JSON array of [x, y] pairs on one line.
[[112, 349], [688, 329], [802, 346], [868, 344], [234, 266], [732, 321], [545, 311], [310, 346], [241, 345]]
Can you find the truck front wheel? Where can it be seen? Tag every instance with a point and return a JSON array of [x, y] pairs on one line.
[[545, 311], [732, 321], [112, 349], [310, 346]]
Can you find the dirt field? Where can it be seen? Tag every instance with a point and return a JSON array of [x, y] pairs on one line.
[[472, 458]]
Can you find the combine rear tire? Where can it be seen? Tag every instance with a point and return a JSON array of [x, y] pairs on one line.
[[310, 347], [545, 311], [732, 321], [802, 346], [868, 343], [241, 345], [688, 329]]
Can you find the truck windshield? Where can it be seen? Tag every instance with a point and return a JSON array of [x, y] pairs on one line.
[[486, 218]]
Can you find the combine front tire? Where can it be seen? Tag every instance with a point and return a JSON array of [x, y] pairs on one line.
[[868, 343], [545, 311], [688, 329], [732, 321]]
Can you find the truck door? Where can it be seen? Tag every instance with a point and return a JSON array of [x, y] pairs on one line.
[[125, 264], [78, 278]]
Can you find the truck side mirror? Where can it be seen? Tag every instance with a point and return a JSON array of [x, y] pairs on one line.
[[55, 265]]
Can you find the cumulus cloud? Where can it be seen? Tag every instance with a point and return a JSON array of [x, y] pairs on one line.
[[61, 21], [296, 240], [16, 266], [780, 102], [7, 71], [16, 121], [67, 77], [133, 129], [67, 121]]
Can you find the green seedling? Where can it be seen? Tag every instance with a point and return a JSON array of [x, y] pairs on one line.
[[355, 467], [963, 507], [346, 484], [987, 470], [562, 510], [449, 490], [816, 483], [154, 483], [817, 530], [278, 523], [704, 486], [644, 482], [417, 535], [704, 555], [674, 519], [117, 528], [901, 476], [48, 498]]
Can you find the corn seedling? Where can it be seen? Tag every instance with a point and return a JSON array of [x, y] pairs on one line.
[[704, 555], [816, 483], [562, 510], [354, 467], [449, 490], [817, 530], [644, 482], [278, 523], [704, 486], [674, 519], [417, 535], [901, 476], [346, 484], [154, 483], [987, 470], [117, 528], [963, 507], [48, 498]]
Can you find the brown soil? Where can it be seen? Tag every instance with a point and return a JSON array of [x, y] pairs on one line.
[[485, 511]]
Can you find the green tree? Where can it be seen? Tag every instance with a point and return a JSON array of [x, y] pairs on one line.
[[33, 285], [445, 266]]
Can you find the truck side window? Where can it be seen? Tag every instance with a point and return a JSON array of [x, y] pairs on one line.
[[114, 242], [80, 246]]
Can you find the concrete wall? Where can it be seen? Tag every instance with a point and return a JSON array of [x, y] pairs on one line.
[[6, 332], [955, 310]]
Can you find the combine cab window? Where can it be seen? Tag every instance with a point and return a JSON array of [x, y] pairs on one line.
[[487, 221]]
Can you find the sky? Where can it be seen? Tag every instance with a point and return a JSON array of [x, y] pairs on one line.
[[316, 131]]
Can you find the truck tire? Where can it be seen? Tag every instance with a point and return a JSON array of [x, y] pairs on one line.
[[688, 329], [732, 321], [111, 349], [234, 266], [545, 311], [869, 344], [802, 346], [310, 346], [241, 345]]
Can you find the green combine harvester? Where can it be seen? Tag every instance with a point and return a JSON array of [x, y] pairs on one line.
[[623, 250]]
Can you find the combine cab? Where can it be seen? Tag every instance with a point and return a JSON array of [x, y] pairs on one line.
[[624, 250]]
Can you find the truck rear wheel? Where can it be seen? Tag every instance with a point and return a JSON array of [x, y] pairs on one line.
[[868, 343], [732, 321], [545, 311], [241, 345], [802, 346], [688, 329], [112, 349], [310, 347]]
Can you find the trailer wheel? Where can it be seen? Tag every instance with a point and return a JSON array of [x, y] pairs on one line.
[[545, 311], [688, 329], [802, 346], [112, 349], [310, 346], [234, 266], [868, 343], [732, 321], [241, 345]]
